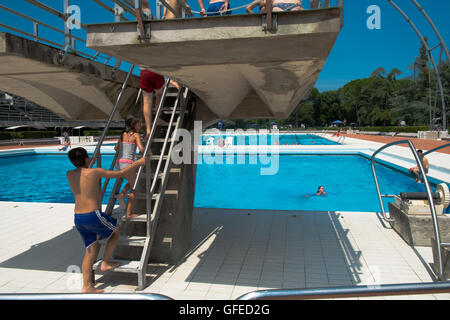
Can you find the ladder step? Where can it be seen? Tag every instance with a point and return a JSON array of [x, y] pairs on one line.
[[161, 140], [132, 241], [126, 266], [140, 218], [157, 156], [172, 170], [143, 196], [166, 124]]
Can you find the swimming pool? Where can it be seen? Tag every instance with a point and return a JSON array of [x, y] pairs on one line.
[[265, 139], [347, 179], [40, 178]]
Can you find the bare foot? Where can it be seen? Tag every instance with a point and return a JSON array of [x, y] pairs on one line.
[[91, 290], [131, 215], [108, 266]]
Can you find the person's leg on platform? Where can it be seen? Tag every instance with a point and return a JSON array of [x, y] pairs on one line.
[[147, 110]]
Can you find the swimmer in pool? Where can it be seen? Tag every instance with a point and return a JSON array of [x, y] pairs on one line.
[[321, 191]]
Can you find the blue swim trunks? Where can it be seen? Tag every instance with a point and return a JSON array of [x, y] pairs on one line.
[[214, 7], [89, 225]]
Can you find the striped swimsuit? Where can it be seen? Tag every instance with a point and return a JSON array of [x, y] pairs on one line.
[[127, 154]]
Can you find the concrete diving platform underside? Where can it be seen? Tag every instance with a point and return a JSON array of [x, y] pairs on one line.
[[237, 69], [76, 89]]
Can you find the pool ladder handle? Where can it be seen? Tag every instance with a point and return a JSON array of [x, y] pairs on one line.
[[440, 271]]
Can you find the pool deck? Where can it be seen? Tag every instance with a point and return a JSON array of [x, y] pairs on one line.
[[232, 252]]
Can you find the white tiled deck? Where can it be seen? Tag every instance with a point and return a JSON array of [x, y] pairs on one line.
[[232, 252]]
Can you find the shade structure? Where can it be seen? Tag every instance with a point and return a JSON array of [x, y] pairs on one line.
[[77, 88], [237, 70]]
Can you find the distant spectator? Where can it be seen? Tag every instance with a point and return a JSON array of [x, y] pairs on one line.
[[65, 136]]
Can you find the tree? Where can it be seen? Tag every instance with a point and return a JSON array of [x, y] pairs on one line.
[[379, 72], [393, 74]]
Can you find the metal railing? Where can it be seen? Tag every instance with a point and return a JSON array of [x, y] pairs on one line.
[[321, 4], [349, 292], [111, 116], [440, 271], [152, 132], [274, 294], [436, 149], [83, 296], [429, 51], [70, 39]]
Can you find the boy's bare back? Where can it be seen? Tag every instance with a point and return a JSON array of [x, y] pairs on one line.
[[85, 186]]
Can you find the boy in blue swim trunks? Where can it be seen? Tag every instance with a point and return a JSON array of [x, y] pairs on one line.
[[214, 7], [89, 220]]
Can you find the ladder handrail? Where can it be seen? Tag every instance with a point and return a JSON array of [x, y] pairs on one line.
[[111, 116], [153, 213], [152, 132], [167, 137], [437, 148], [429, 195], [105, 184]]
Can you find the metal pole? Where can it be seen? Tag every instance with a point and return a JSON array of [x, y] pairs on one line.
[[111, 116], [269, 15], [437, 148], [158, 9], [67, 31], [429, 195], [348, 292], [434, 28], [436, 69]]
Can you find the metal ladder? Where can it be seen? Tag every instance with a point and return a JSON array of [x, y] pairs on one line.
[[439, 269], [155, 184]]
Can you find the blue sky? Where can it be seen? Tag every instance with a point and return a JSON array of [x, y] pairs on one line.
[[357, 52]]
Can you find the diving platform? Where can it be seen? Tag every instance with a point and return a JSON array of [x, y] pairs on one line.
[[74, 87], [237, 69]]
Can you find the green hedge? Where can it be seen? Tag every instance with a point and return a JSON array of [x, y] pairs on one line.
[[7, 135]]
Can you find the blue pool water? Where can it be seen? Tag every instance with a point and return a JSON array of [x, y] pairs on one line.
[[283, 139], [39, 178], [348, 181]]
